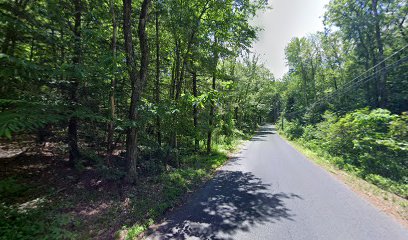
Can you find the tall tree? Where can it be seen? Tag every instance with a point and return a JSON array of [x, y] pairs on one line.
[[212, 101], [75, 81], [382, 91], [137, 82], [111, 125], [157, 82]]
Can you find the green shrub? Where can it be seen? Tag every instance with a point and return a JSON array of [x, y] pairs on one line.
[[309, 133], [399, 127], [293, 130], [370, 143]]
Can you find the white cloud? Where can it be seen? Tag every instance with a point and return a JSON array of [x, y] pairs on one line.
[[286, 19]]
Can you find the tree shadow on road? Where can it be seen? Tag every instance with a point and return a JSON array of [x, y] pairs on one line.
[[233, 201]]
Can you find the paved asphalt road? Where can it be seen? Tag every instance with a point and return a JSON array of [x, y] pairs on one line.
[[271, 191]]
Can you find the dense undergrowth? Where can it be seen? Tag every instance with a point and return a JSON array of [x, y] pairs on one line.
[[372, 144]]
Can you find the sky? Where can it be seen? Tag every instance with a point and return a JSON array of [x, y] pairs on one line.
[[286, 19]]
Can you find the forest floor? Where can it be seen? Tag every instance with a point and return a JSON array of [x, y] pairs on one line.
[[41, 196]]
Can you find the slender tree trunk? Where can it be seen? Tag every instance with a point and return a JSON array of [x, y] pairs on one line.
[[312, 78], [62, 50], [375, 93], [211, 119], [212, 107], [111, 125], [195, 114], [366, 65], [180, 81], [335, 83], [175, 95], [173, 81], [157, 83], [304, 78], [382, 91], [76, 60], [177, 71], [236, 117], [32, 49], [136, 82], [144, 46], [367, 85]]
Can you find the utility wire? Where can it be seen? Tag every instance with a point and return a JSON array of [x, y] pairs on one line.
[[353, 82], [348, 88], [385, 59], [364, 80]]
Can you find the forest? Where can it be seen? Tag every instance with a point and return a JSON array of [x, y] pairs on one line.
[[112, 111]]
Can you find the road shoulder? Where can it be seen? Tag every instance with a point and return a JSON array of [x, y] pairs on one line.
[[389, 203]]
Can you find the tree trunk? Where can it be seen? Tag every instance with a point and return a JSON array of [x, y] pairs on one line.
[[382, 96], [236, 117], [111, 125], [366, 65], [157, 85], [195, 114], [367, 84], [211, 120], [374, 62], [212, 107], [177, 71], [76, 60], [175, 95], [136, 82], [304, 78]]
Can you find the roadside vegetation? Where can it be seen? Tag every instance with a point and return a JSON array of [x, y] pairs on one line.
[[345, 95], [371, 144]]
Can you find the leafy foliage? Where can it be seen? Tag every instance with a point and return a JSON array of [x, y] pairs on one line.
[[364, 139]]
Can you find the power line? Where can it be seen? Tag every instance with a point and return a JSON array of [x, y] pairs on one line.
[[392, 55], [363, 80], [366, 79]]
